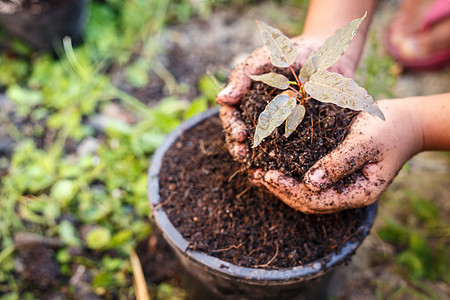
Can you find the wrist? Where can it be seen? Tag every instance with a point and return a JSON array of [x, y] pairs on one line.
[[404, 121], [431, 113], [412, 108]]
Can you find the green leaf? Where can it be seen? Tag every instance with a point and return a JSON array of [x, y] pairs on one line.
[[23, 96], [393, 232], [197, 106], [209, 86], [27, 213], [331, 50], [117, 128], [63, 191], [68, 233], [344, 92], [273, 116], [282, 52], [102, 279], [121, 237], [36, 177], [147, 142], [164, 121], [63, 256], [165, 291], [295, 118], [98, 238], [273, 79], [413, 262], [112, 264], [137, 74], [425, 210]]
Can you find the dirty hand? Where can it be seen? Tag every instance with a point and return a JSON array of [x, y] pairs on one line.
[[377, 148], [240, 82]]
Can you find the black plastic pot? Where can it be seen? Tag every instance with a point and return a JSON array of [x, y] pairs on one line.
[[44, 30], [220, 279]]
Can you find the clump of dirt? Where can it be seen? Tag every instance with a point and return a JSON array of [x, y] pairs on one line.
[[214, 206], [38, 267], [324, 126], [158, 262]]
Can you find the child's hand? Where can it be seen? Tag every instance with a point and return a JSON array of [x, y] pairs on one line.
[[377, 148]]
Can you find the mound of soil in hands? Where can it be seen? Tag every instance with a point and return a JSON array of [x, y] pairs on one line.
[[214, 206], [324, 126]]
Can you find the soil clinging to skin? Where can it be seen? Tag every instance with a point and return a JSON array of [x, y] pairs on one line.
[[219, 212]]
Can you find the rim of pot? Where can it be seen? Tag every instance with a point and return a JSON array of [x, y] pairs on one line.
[[173, 236]]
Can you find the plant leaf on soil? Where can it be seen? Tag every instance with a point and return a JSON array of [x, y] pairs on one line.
[[275, 80], [274, 115], [331, 50], [334, 88], [294, 119], [282, 52]]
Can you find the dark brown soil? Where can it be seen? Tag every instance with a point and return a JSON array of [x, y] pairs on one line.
[[322, 129], [40, 269], [157, 260], [219, 212]]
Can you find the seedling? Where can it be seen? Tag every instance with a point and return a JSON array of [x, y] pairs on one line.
[[313, 81]]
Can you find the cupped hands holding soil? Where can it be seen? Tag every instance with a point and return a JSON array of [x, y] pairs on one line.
[[336, 159], [322, 129], [280, 163]]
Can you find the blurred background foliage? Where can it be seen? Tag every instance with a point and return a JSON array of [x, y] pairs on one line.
[[73, 178], [93, 201]]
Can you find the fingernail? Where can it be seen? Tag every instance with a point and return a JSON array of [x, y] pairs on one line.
[[238, 151], [256, 177], [316, 180], [227, 90]]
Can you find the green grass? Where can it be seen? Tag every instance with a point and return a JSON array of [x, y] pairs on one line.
[[419, 234], [97, 200]]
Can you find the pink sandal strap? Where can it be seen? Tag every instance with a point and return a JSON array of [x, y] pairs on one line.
[[439, 10]]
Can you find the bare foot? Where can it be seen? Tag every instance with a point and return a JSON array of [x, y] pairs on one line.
[[421, 29]]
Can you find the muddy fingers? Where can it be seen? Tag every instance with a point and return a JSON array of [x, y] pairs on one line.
[[362, 192], [285, 188], [239, 81], [235, 133], [347, 158]]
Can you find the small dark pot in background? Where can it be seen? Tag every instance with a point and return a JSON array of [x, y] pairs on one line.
[[44, 30]]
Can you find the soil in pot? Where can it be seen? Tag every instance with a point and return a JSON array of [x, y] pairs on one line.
[[209, 199]]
